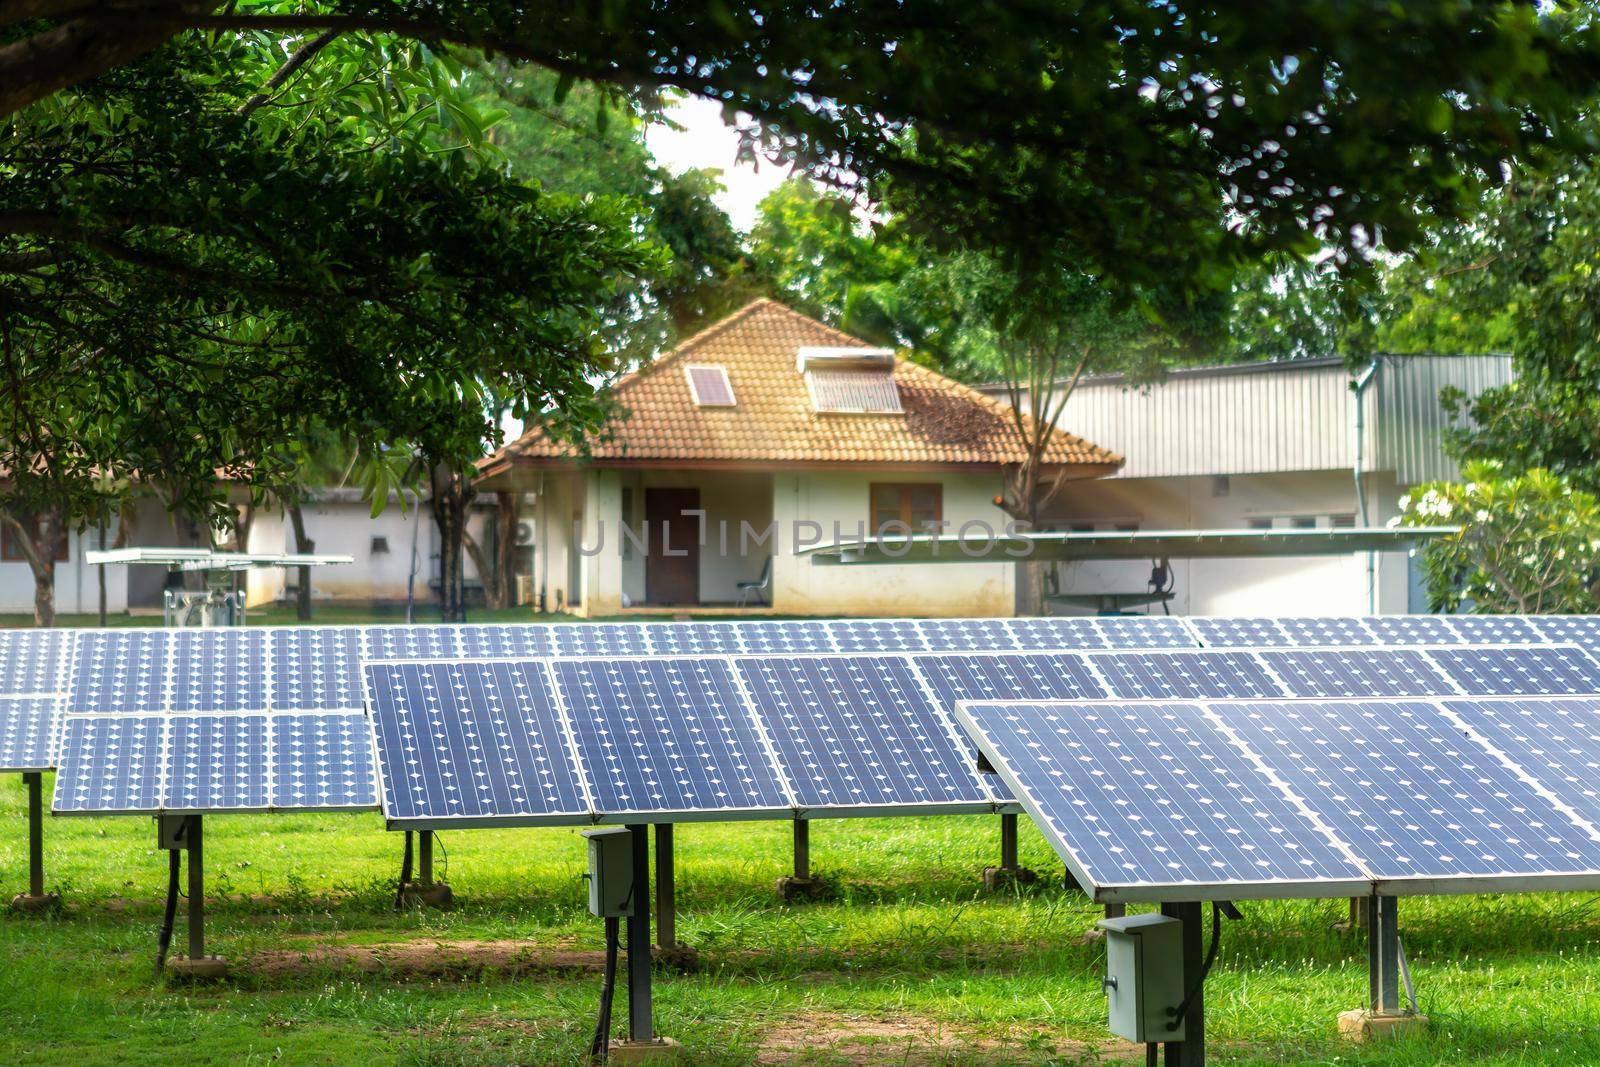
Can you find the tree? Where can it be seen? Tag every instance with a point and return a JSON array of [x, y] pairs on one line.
[[1153, 145], [263, 256], [1530, 543]]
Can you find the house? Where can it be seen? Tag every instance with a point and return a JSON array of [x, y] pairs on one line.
[[763, 434], [1284, 444]]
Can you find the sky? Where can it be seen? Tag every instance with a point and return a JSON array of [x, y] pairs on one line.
[[706, 142]]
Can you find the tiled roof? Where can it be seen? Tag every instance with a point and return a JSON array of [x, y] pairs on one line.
[[773, 419]]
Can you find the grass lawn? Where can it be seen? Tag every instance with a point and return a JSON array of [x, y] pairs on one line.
[[913, 963]]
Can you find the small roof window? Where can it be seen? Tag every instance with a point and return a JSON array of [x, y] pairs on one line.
[[860, 392], [709, 385]]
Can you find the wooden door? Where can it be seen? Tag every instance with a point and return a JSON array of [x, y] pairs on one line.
[[672, 578]]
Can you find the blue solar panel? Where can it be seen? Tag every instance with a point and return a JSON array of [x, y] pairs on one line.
[[316, 668], [859, 732], [1530, 671], [1326, 631], [511, 640], [33, 661], [217, 670], [667, 735], [1574, 629], [322, 761], [1222, 632], [1556, 743], [1060, 632], [410, 642], [472, 740], [1410, 795], [1014, 676], [695, 638], [1413, 630], [119, 671], [777, 638], [877, 635], [110, 763], [1144, 631], [215, 763], [1371, 672], [28, 733], [1181, 675], [1494, 629], [1153, 796], [966, 635], [600, 639]]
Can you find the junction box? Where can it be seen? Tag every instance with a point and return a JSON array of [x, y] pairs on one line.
[[1144, 976], [610, 871]]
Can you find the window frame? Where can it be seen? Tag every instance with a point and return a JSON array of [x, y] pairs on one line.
[[11, 553], [905, 509]]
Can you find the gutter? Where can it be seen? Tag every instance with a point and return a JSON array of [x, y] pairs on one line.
[[1359, 387]]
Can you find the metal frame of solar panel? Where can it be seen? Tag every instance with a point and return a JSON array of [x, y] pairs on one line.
[[1150, 767]]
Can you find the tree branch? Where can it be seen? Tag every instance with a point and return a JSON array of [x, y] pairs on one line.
[[300, 58]]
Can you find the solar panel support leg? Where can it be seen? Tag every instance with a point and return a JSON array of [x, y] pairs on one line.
[[669, 952], [802, 850], [1383, 955], [801, 885], [1191, 1051], [35, 899], [424, 892], [196, 965], [1010, 872], [639, 1022], [425, 858]]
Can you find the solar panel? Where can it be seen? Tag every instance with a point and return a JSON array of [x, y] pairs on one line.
[[1549, 671], [1554, 743], [600, 639], [515, 641], [1144, 631], [1413, 630], [1575, 629], [1180, 675], [695, 638], [110, 763], [1060, 632], [1007, 676], [1141, 798], [322, 761], [1222, 632], [966, 635], [33, 661], [1371, 672], [215, 763], [119, 670], [316, 668], [483, 741], [777, 638], [667, 736], [1494, 629], [28, 733], [858, 735], [877, 635], [1413, 798], [1331, 630], [410, 642], [217, 670]]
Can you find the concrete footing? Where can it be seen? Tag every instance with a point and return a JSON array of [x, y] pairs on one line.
[[31, 904], [437, 895], [661, 1050], [679, 958], [204, 969], [1006, 877], [1363, 1024], [794, 890]]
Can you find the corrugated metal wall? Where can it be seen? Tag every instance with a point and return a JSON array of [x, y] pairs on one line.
[[1292, 416]]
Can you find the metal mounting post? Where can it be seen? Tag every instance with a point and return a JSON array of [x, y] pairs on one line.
[[197, 890], [35, 899], [1191, 1051], [802, 850], [639, 1023], [1383, 956], [1010, 872], [1008, 842], [425, 859], [666, 905]]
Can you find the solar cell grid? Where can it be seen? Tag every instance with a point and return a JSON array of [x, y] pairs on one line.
[[316, 668], [667, 735], [1144, 632], [215, 763], [1410, 795], [1377, 672], [1555, 743], [695, 638], [1181, 675], [600, 639], [1578, 629], [1137, 797], [110, 763], [1493, 629], [119, 670], [780, 637], [966, 635], [322, 761], [1559, 670], [28, 728], [33, 661], [1221, 632], [1055, 633], [1413, 630], [217, 670], [877, 635], [1332, 630], [511, 640], [410, 642], [858, 734]]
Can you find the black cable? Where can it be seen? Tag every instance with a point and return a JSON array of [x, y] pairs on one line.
[[1152, 1054], [438, 843], [405, 875], [164, 938], [600, 1047], [1211, 957]]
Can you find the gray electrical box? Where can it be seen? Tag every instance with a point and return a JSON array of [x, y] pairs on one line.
[[610, 871], [1144, 975], [172, 832]]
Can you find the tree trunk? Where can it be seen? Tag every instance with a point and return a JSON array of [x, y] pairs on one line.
[[505, 571], [302, 544], [38, 547], [1031, 575], [451, 494]]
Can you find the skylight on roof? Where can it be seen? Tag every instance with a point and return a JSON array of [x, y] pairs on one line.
[[860, 392], [709, 385]]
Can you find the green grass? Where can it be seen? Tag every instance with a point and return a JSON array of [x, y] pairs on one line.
[[912, 963]]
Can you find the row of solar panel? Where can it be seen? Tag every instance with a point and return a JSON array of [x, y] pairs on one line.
[[1192, 800], [675, 738]]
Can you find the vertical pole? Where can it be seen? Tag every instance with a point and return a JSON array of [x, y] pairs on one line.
[[425, 859], [1383, 955], [666, 889], [639, 1027], [802, 850], [1191, 1051], [35, 833], [197, 892], [1116, 911], [1008, 842]]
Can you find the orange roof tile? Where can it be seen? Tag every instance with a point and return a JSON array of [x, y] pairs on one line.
[[773, 421]]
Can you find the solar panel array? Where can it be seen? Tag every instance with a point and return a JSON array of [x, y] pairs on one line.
[[1184, 800], [33, 676]]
